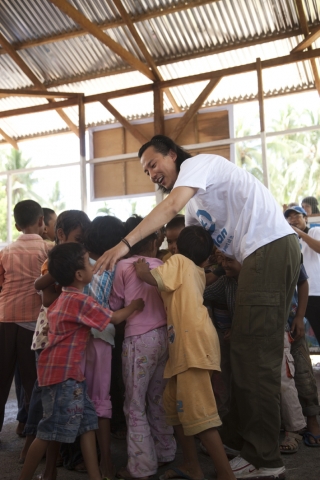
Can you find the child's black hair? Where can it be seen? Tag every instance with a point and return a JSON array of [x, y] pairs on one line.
[[47, 212], [130, 224], [177, 222], [70, 220], [64, 261], [26, 213], [195, 243], [104, 233]]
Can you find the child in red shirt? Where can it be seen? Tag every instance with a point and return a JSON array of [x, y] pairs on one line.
[[67, 409]]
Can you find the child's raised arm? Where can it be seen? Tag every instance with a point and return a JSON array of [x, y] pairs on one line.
[[44, 281], [143, 272], [122, 314]]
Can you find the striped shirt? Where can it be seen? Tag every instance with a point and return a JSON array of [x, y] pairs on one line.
[[223, 292], [70, 317], [20, 266]]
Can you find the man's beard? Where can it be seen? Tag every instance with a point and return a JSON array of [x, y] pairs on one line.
[[164, 189]]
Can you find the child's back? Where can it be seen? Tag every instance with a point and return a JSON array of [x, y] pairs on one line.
[[127, 286]]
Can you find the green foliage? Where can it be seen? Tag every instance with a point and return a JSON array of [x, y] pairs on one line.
[[105, 209], [293, 160]]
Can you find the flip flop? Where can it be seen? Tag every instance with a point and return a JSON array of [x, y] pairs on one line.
[[180, 475], [306, 437]]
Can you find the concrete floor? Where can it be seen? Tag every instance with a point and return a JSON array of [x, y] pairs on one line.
[[301, 466]]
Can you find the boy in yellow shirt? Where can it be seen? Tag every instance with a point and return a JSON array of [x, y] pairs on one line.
[[193, 353]]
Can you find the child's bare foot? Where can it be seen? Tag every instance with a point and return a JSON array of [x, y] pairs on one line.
[[123, 473], [183, 472]]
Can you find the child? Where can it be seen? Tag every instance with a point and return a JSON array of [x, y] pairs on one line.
[[50, 219], [150, 441], [68, 411], [69, 227], [20, 264], [193, 352], [173, 229], [104, 233]]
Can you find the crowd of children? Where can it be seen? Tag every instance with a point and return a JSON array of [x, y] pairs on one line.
[[58, 335]]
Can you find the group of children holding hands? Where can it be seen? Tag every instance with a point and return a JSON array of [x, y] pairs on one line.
[[170, 353]]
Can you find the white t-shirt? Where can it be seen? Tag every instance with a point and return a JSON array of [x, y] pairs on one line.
[[238, 211], [311, 261]]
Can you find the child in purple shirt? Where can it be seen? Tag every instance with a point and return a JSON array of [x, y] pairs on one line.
[[150, 440]]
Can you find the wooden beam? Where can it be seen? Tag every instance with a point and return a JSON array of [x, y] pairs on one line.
[[5, 92], [262, 125], [193, 109], [124, 122], [82, 146], [94, 30], [312, 37], [124, 14], [9, 139], [125, 92], [34, 79], [158, 114], [305, 29], [157, 12]]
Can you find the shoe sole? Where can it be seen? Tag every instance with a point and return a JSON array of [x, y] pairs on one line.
[[281, 476]]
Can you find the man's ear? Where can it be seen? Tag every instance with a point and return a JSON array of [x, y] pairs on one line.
[[173, 155], [18, 228]]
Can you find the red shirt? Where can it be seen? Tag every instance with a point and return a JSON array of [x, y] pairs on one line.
[[70, 317]]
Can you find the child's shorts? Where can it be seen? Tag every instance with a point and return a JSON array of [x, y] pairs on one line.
[[67, 412], [189, 401]]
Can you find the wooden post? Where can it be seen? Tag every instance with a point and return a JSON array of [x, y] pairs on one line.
[[158, 111], [9, 207], [262, 125], [83, 166]]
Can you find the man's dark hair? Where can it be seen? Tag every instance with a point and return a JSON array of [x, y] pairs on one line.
[[26, 213], [195, 243], [70, 220], [47, 212], [163, 145], [177, 222], [130, 224], [64, 261], [104, 233]]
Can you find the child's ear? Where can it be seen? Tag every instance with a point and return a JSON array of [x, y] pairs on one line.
[[78, 275], [18, 228], [40, 221], [60, 235]]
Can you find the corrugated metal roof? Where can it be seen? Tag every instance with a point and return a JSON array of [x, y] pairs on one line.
[[181, 42]]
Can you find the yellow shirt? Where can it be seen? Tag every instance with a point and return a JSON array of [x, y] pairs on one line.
[[193, 340]]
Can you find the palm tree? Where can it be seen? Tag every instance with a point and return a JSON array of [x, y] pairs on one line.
[[105, 209], [55, 200]]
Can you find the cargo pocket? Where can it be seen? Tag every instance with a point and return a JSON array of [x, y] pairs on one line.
[[258, 313]]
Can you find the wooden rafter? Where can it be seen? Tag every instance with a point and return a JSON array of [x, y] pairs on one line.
[[34, 79], [114, 23], [124, 122], [94, 30], [125, 92], [9, 139], [188, 56], [190, 113], [6, 92], [312, 37], [158, 114], [306, 32]]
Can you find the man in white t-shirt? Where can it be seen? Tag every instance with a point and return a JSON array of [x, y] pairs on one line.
[[245, 223], [310, 246]]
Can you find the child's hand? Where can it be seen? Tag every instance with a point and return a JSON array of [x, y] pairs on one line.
[[137, 304], [141, 266], [227, 334]]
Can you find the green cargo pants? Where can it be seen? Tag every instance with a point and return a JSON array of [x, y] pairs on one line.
[[265, 288]]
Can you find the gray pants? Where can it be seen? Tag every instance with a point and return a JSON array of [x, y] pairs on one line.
[[304, 378], [265, 288]]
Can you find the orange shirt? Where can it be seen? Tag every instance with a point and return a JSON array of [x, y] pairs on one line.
[[20, 266]]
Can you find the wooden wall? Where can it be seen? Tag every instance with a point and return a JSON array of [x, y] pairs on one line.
[[125, 177]]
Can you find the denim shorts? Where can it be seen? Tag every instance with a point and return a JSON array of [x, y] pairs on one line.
[[67, 412]]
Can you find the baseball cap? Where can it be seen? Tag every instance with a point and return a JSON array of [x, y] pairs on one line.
[[296, 209]]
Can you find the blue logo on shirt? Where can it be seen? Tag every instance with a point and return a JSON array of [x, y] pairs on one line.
[[206, 221]]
